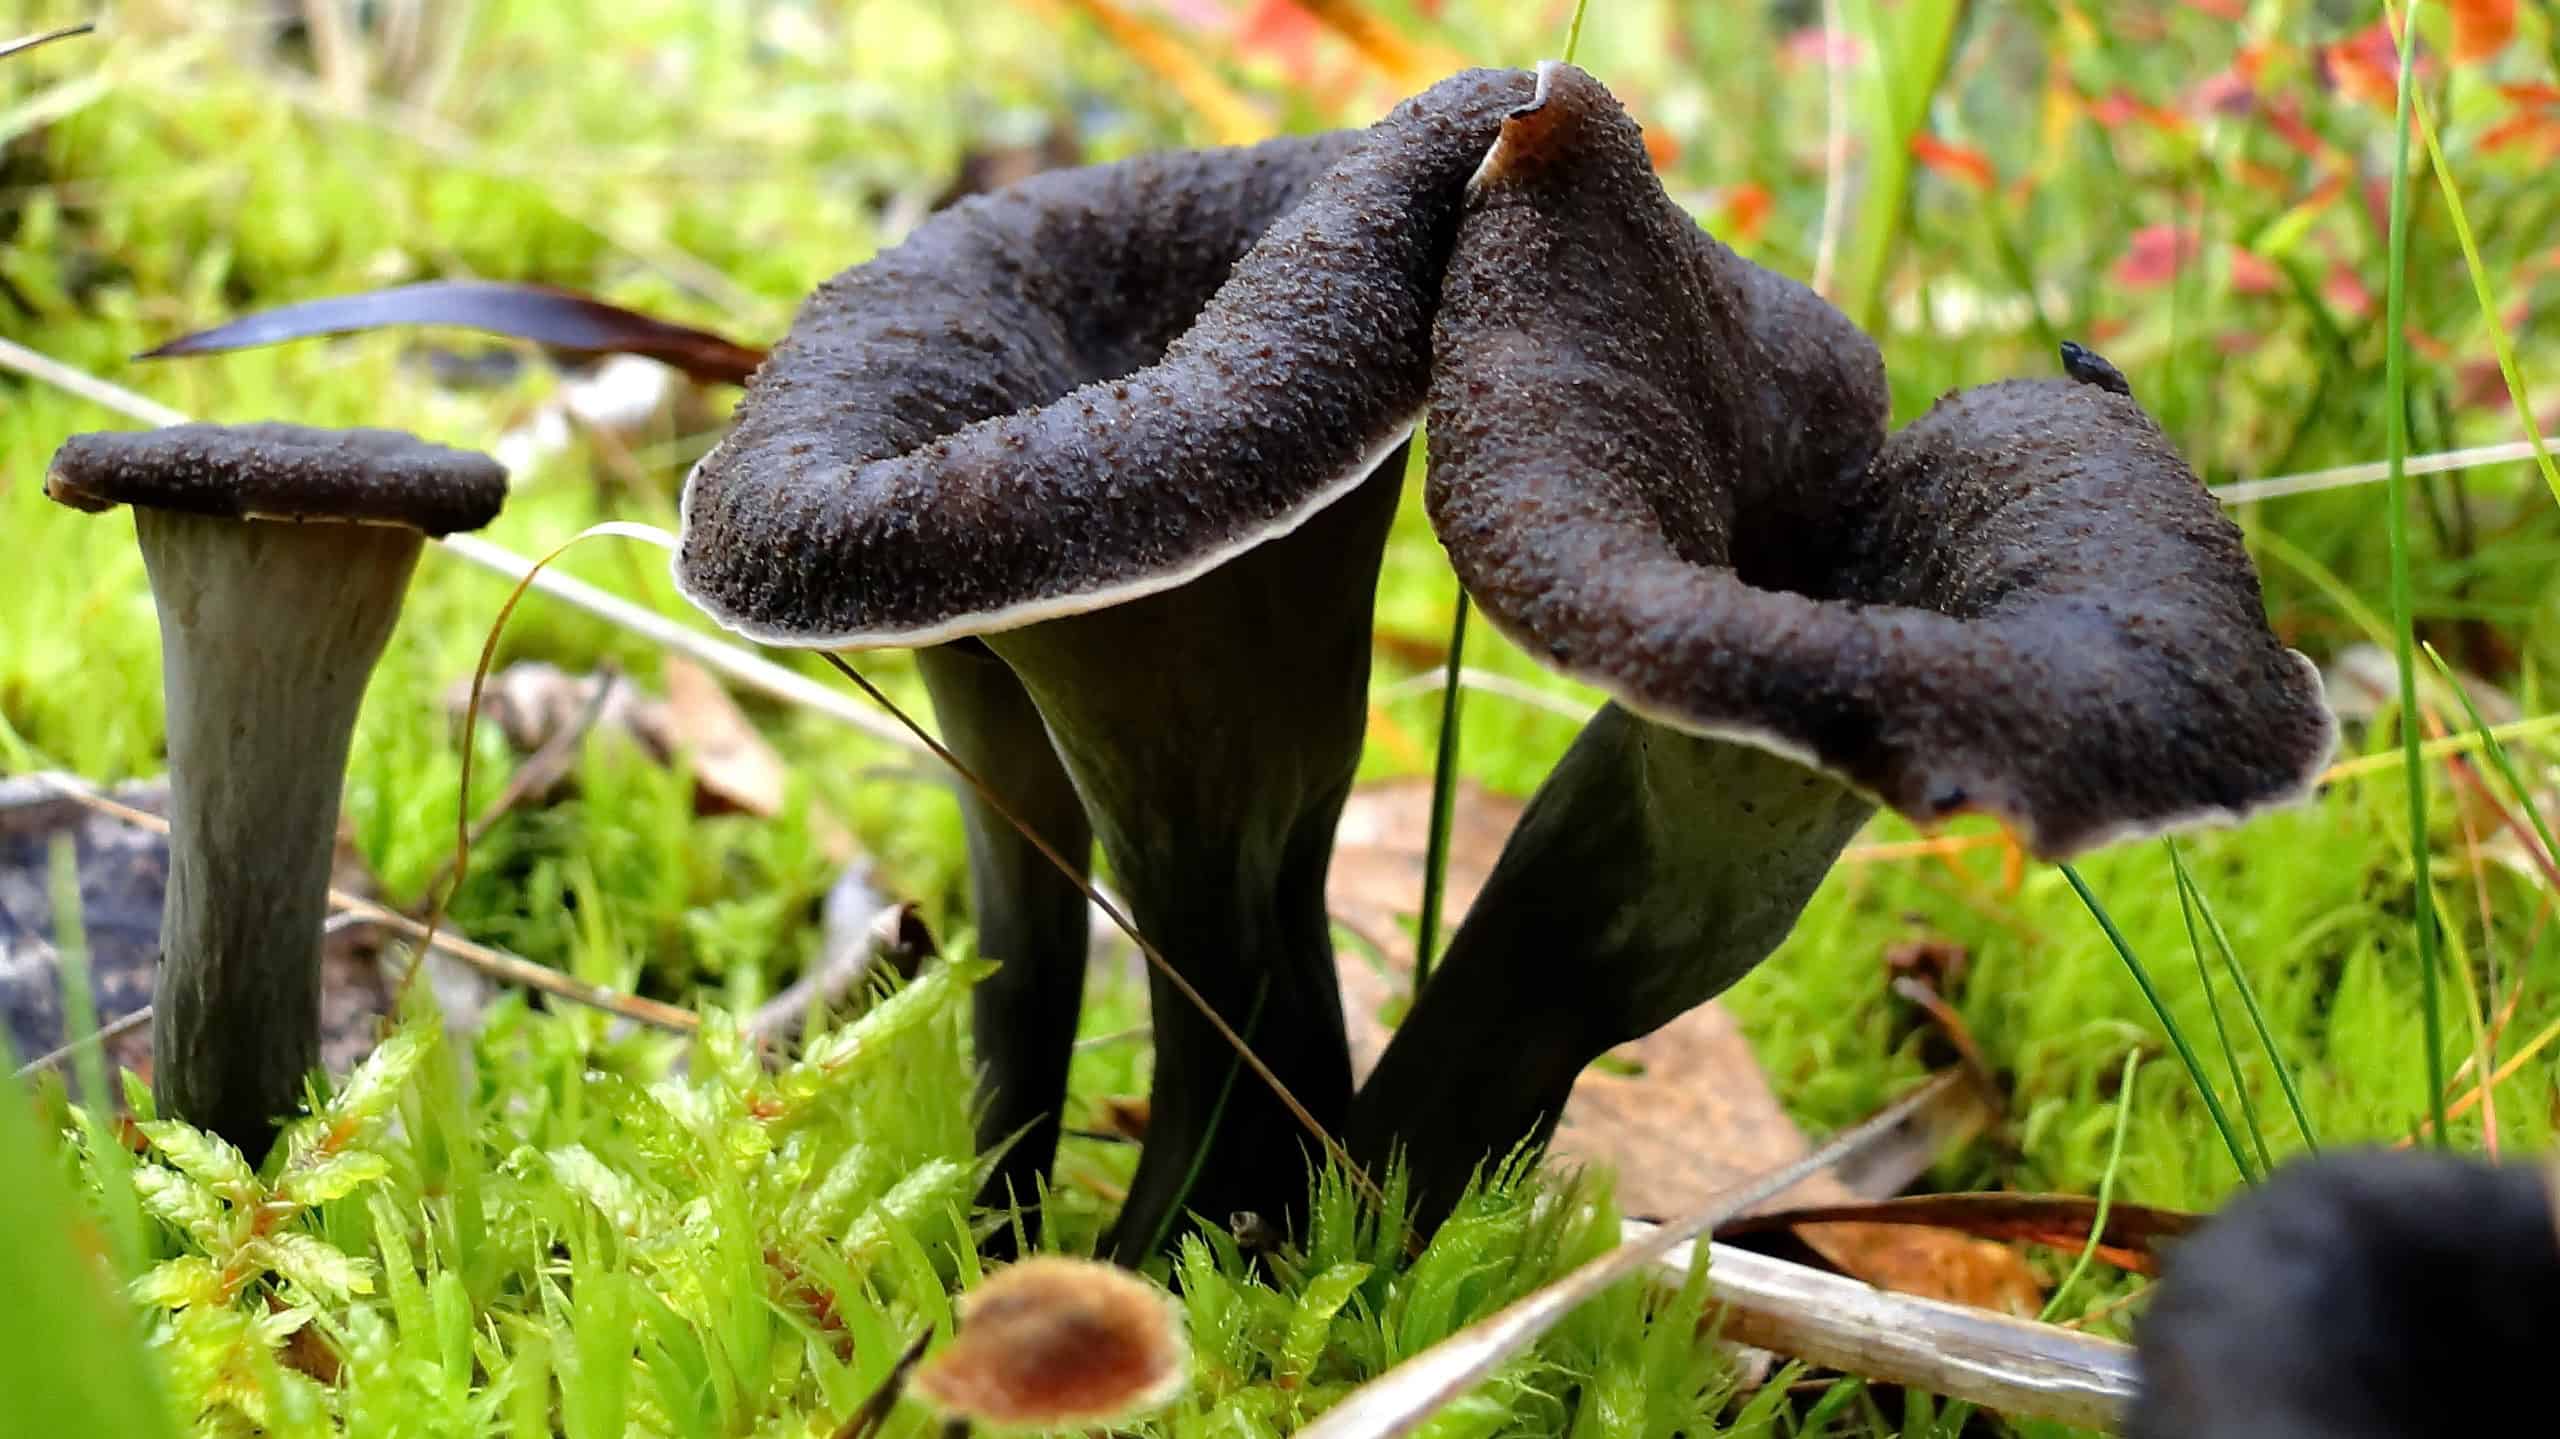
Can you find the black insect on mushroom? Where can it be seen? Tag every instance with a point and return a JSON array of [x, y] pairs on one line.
[[278, 557], [1138, 430], [2367, 1294], [1665, 471]]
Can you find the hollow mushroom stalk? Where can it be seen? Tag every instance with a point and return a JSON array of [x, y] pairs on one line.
[[1664, 471], [278, 557], [1139, 428]]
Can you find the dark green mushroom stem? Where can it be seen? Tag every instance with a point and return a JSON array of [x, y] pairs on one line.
[[1663, 470], [1138, 428], [278, 559], [1029, 915]]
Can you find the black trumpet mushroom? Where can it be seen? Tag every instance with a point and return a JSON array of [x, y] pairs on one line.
[[278, 558], [1138, 431], [2365, 1294], [1664, 470]]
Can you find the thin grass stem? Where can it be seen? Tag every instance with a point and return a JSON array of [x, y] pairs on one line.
[[2106, 1186], [2160, 1008], [2213, 1006], [2249, 1002], [2395, 384]]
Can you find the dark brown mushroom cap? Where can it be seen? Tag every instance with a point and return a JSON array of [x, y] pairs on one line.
[[1093, 385], [2024, 604], [276, 471]]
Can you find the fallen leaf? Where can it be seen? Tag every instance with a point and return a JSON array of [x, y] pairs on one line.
[[1961, 163], [733, 767], [2133, 1238], [561, 319], [735, 770], [1688, 1114], [2481, 28]]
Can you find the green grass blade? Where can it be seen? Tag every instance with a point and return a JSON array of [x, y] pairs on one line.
[[114, 1163], [2249, 1002], [2395, 384], [1572, 43], [2213, 1006], [2498, 757], [2106, 1187], [2501, 343], [70, 1359], [1911, 45], [2160, 1008]]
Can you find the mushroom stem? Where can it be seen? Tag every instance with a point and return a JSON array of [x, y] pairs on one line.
[[260, 715], [1215, 775], [1651, 870], [1030, 918]]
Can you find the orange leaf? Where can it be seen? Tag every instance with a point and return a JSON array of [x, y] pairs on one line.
[[1744, 212], [2155, 256], [2481, 28], [1961, 163], [2523, 129], [2252, 275], [2365, 67]]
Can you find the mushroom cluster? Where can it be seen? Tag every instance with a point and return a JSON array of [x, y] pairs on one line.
[[1119, 448]]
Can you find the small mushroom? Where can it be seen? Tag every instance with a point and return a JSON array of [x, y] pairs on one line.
[[1664, 471], [1139, 428], [278, 558], [1057, 1343], [2359, 1295]]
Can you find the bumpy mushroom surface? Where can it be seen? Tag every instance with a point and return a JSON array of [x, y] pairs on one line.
[[1664, 471], [1139, 428], [2360, 1295], [278, 558]]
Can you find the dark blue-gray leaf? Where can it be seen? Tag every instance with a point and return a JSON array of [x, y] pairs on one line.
[[561, 319]]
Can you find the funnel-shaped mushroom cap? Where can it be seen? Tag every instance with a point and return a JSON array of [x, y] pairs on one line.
[[276, 471], [2025, 604], [974, 432]]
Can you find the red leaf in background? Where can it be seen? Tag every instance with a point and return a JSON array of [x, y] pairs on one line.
[[2523, 129], [1814, 45], [2365, 67], [2533, 97], [2155, 256], [2121, 107], [1278, 28], [2480, 385], [2284, 116], [2251, 274], [2345, 291], [1742, 212], [2481, 28], [2234, 11], [1960, 163], [2232, 90]]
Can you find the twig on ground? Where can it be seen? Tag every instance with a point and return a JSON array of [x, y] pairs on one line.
[[499, 965]]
